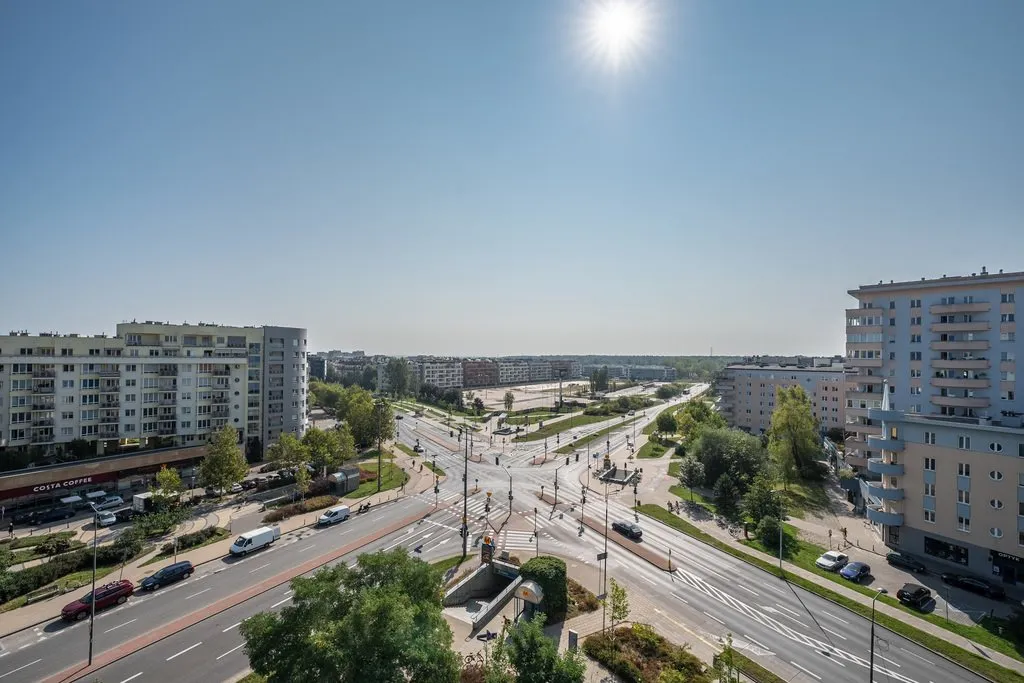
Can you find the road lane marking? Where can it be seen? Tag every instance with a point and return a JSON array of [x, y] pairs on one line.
[[829, 614], [830, 658], [748, 590], [308, 547], [14, 671], [280, 602], [679, 598], [912, 654], [195, 594], [837, 635], [888, 660], [786, 609], [711, 616], [648, 580], [190, 647], [132, 678], [806, 671], [262, 566], [119, 626], [231, 627], [230, 651], [763, 647]]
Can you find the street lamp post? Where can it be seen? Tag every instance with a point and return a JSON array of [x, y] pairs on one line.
[[536, 538], [871, 665], [92, 596], [465, 499], [604, 580]]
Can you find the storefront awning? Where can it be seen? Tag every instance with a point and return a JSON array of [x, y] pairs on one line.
[[93, 495], [71, 500]]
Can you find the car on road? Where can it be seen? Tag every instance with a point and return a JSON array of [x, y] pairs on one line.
[[115, 593], [124, 514], [906, 562], [169, 574], [832, 561], [106, 518], [628, 529], [108, 503], [979, 586], [54, 515], [855, 571], [399, 416], [914, 595], [417, 448], [338, 513]]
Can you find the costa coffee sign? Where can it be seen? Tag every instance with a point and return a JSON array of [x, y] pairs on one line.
[[60, 484]]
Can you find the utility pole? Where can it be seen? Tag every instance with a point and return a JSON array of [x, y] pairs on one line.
[[465, 497], [604, 580], [380, 446], [871, 665], [92, 601]]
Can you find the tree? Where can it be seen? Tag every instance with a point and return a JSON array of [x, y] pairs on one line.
[[168, 482], [729, 451], [534, 656], [323, 448], [397, 370], [618, 601], [666, 422], [380, 621], [696, 416], [224, 463], [478, 405], [768, 531], [793, 439], [510, 400], [288, 451], [550, 574], [691, 473], [761, 501], [365, 419], [302, 479], [726, 495], [346, 444]]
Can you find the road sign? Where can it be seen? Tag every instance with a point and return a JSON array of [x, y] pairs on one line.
[[602, 556]]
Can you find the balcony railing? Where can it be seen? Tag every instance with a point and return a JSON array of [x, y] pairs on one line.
[[884, 493], [115, 403], [168, 372], [110, 373], [961, 382], [43, 389], [961, 401], [110, 390], [107, 419], [220, 413], [165, 432], [168, 401], [42, 406], [976, 326], [42, 438], [43, 373], [942, 309], [960, 345], [960, 363], [879, 516], [44, 422], [892, 469], [221, 373]]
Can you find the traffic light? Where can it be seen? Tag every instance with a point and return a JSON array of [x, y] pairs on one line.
[[567, 459], [451, 433], [437, 489], [558, 438], [495, 460], [577, 457]]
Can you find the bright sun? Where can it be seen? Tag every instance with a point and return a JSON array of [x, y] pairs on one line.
[[617, 30]]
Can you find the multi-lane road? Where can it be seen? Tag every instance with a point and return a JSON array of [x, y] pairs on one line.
[[712, 593]]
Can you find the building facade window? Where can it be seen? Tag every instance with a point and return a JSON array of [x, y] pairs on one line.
[[929, 464], [996, 504], [963, 442], [929, 516], [963, 469], [963, 524]]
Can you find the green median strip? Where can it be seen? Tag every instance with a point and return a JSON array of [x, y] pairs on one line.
[[581, 442], [971, 661], [552, 428]]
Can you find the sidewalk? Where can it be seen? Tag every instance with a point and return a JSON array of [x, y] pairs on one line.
[[657, 493], [47, 610]]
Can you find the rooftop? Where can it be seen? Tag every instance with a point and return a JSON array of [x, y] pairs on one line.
[[944, 281]]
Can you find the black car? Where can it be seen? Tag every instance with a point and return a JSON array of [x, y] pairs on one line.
[[24, 516], [628, 529], [913, 595], [906, 562], [124, 514], [169, 574], [979, 586], [54, 515]]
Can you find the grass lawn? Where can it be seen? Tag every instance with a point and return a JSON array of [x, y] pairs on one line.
[[253, 677], [654, 449], [391, 477], [803, 497], [372, 455], [650, 429], [447, 563], [684, 493], [433, 468], [552, 428], [220, 535], [407, 450], [968, 659], [32, 541], [673, 469], [580, 443], [534, 417]]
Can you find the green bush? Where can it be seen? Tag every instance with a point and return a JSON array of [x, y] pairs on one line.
[[639, 654], [190, 540], [55, 545], [159, 523], [282, 513], [768, 531], [550, 574]]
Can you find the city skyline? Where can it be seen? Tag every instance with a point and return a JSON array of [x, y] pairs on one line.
[[476, 180]]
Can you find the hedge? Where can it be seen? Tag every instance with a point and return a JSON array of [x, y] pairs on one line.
[[550, 574], [317, 503], [191, 540]]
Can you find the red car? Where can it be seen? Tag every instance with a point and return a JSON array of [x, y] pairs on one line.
[[115, 593]]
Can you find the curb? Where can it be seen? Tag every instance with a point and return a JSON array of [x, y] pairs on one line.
[[158, 634], [840, 606]]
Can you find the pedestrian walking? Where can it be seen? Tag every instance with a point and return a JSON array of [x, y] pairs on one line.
[[10, 530]]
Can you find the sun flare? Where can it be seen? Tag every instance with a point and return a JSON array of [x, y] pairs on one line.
[[617, 30]]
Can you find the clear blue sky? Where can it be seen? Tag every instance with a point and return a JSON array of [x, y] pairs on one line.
[[466, 177]]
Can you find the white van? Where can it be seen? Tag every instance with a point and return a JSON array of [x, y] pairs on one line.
[[338, 513], [255, 540]]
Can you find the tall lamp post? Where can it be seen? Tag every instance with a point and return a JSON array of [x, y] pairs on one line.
[[465, 498], [871, 665], [604, 580], [92, 596]]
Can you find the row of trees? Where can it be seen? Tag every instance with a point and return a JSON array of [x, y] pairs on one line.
[[355, 406]]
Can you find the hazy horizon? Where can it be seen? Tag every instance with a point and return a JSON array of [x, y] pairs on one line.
[[480, 179]]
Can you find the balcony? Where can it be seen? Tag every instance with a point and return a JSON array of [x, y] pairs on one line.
[[108, 419], [880, 443], [42, 438], [864, 362], [860, 312], [976, 326], [168, 401], [961, 401], [960, 345], [892, 469], [165, 432], [40, 374], [221, 373], [45, 389], [110, 402], [942, 309], [960, 383], [961, 364], [168, 372], [110, 390], [43, 422], [42, 406], [883, 493], [877, 515], [885, 415], [864, 430], [221, 400], [864, 379], [863, 329], [220, 413], [110, 373], [110, 433]]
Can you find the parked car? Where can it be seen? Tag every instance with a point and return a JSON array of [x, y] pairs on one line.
[[54, 515], [628, 529], [906, 562], [236, 488], [24, 516], [855, 571], [914, 596], [832, 561], [338, 513], [169, 574], [269, 467], [108, 503], [106, 518], [249, 484], [115, 593], [124, 514], [979, 586]]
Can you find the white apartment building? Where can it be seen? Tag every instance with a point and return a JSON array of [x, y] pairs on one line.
[[153, 385], [514, 372], [748, 393], [540, 371], [935, 416], [443, 374]]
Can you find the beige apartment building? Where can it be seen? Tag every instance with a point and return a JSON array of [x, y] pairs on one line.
[[748, 393], [936, 421]]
